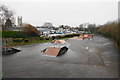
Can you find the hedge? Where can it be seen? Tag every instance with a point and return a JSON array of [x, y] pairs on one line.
[[13, 34]]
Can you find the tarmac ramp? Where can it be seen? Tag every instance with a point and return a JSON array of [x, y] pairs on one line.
[[8, 51], [85, 36], [53, 51]]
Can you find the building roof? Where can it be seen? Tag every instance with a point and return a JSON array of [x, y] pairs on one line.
[[43, 29]]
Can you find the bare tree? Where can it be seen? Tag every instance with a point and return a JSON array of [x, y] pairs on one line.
[[7, 13]]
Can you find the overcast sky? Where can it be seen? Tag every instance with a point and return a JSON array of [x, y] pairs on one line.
[[69, 12]]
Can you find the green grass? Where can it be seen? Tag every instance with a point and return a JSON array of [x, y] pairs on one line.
[[32, 42], [66, 38], [27, 43]]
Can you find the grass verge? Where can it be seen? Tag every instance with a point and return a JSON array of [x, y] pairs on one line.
[[28, 43]]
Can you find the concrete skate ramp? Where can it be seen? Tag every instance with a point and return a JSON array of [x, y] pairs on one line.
[[85, 36], [77, 37], [51, 51], [58, 41], [8, 51]]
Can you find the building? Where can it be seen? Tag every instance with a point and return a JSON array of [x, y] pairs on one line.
[[48, 24], [16, 28], [19, 26], [44, 31], [19, 21]]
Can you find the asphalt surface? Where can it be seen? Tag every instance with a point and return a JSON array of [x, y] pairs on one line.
[[97, 58]]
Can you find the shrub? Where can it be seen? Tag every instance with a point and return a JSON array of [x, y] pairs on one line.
[[53, 37], [110, 30], [30, 30], [41, 38], [17, 40], [26, 41], [58, 37]]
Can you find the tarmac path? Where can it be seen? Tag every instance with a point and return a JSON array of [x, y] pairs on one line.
[[97, 58]]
